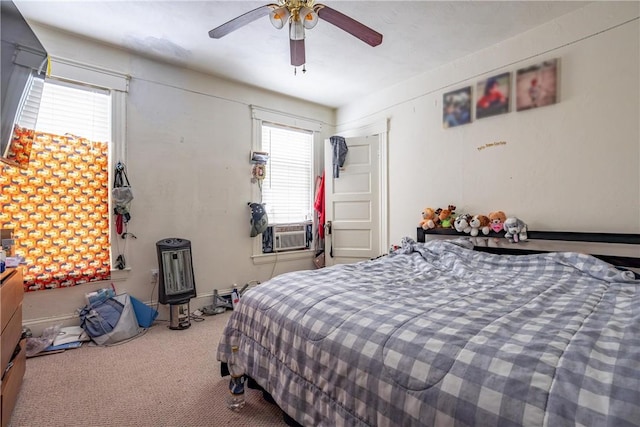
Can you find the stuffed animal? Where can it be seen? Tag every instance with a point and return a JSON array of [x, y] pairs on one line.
[[479, 223], [446, 216], [515, 230], [496, 221], [259, 219], [429, 219], [461, 223]]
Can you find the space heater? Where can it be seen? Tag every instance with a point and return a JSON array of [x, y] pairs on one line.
[[176, 284]]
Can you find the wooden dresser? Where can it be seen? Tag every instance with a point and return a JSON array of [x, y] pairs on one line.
[[12, 348]]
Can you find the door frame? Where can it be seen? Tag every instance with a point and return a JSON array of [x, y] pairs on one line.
[[380, 128]]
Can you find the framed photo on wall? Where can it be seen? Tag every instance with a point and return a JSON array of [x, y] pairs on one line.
[[493, 96], [456, 107], [537, 85]]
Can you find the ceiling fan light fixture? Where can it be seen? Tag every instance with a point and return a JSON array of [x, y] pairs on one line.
[[279, 17], [296, 30], [308, 17]]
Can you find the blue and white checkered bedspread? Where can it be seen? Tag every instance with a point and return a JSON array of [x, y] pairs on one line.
[[439, 335]]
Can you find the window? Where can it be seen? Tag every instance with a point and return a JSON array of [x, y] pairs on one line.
[[289, 184], [58, 206], [287, 187]]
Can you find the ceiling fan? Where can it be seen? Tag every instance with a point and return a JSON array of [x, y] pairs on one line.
[[300, 14]]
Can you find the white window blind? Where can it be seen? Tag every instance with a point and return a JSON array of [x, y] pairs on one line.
[[287, 187], [29, 113], [72, 109]]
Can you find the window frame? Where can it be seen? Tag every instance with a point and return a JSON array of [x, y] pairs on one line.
[[117, 84], [271, 117]]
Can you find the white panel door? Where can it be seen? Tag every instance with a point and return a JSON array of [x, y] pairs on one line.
[[352, 202]]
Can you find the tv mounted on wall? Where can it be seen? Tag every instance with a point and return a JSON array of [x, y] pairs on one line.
[[23, 59]]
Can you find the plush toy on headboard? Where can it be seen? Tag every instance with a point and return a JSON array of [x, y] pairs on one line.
[[496, 220], [462, 223], [259, 220], [479, 223], [446, 216], [515, 230], [429, 219]]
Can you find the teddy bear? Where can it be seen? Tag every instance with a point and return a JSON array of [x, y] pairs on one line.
[[479, 223], [496, 220], [515, 230], [429, 219], [446, 216], [461, 223]]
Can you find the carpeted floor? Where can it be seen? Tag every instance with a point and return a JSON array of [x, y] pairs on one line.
[[162, 378]]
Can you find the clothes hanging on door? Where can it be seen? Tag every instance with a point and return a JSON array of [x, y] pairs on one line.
[[340, 149]]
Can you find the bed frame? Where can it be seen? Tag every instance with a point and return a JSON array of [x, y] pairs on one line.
[[619, 249]]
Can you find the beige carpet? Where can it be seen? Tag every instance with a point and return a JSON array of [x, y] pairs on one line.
[[162, 378]]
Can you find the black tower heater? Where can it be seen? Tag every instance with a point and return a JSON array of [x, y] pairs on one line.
[[176, 285]]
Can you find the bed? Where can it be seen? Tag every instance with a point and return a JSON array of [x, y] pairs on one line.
[[447, 333]]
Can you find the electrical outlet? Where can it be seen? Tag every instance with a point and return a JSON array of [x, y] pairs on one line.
[[154, 275]]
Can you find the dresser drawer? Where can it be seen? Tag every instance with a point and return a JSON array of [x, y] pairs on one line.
[[11, 293], [10, 337], [11, 383]]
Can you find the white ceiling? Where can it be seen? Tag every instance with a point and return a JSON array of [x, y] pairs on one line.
[[418, 36]]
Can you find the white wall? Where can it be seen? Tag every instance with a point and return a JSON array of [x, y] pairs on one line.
[[572, 166], [188, 146]]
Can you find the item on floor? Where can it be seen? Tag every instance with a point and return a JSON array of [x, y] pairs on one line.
[[36, 345], [145, 314], [176, 284], [179, 316], [219, 305], [235, 399], [110, 321], [70, 334], [65, 346], [319, 260], [99, 295]]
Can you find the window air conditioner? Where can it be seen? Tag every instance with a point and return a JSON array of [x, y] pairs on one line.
[[289, 237]]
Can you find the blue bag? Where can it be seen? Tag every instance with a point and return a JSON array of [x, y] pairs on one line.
[[100, 317]]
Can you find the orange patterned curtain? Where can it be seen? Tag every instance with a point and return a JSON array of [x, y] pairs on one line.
[[58, 209]]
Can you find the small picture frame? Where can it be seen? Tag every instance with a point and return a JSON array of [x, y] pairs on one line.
[[456, 107], [537, 85], [493, 96]]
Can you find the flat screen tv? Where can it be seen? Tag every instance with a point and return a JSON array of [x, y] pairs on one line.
[[23, 59]]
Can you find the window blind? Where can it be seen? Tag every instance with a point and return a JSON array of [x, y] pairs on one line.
[[65, 108], [287, 187]]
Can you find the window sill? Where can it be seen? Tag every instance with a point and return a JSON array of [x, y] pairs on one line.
[[282, 256]]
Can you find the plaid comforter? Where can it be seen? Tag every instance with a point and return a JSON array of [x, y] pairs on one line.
[[439, 335]]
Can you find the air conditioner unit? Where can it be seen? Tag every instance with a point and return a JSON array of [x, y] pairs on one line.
[[289, 237]]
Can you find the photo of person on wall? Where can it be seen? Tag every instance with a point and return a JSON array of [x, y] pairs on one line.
[[536, 86], [493, 96], [456, 107]]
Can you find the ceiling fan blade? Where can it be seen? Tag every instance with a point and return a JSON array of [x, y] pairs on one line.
[[297, 52], [350, 25], [241, 21]]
